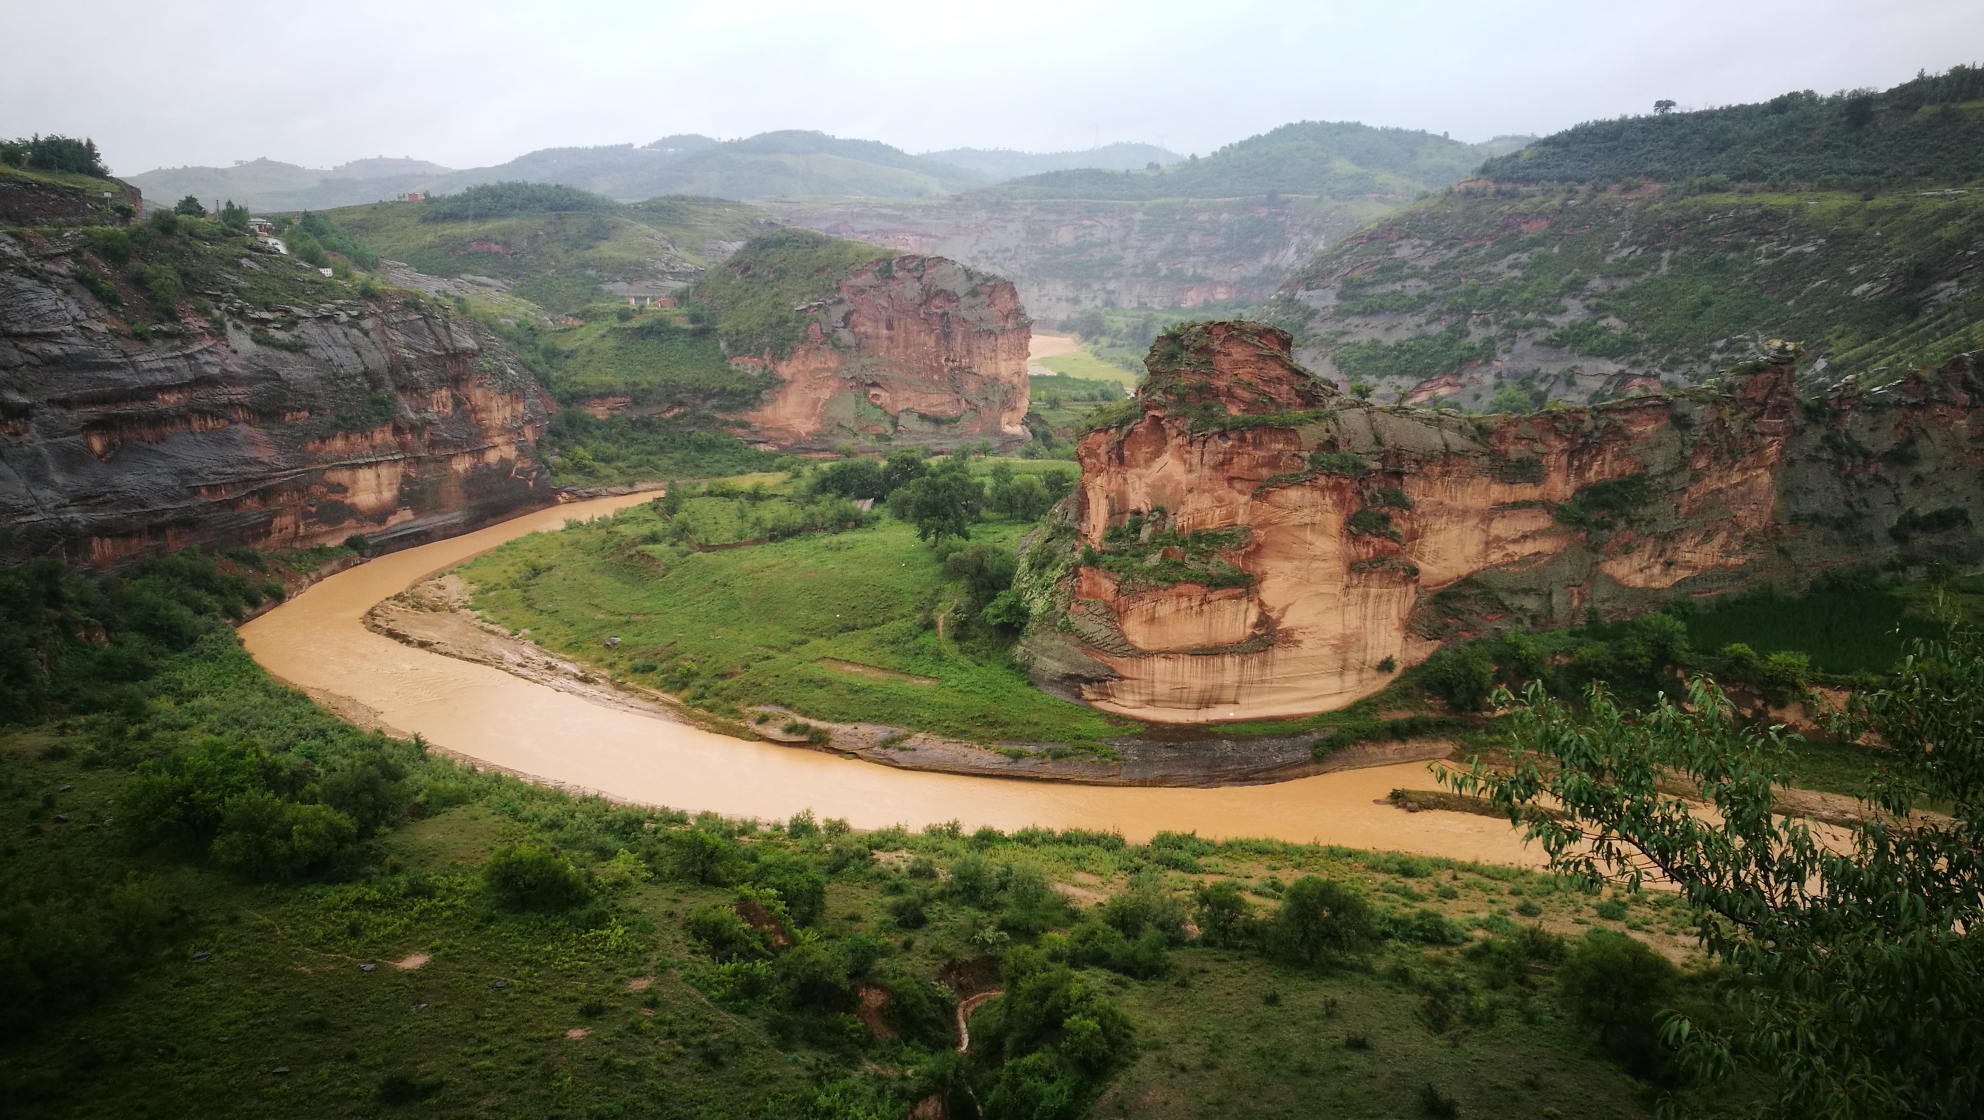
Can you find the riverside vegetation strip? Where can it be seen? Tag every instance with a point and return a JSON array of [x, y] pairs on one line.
[[223, 900]]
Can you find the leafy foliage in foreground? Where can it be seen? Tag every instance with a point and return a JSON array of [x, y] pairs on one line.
[[1842, 947]]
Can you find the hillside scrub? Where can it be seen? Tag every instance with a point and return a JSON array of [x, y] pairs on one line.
[[757, 300], [1927, 130]]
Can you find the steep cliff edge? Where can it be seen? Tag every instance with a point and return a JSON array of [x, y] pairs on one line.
[[165, 387], [1248, 543], [848, 342], [920, 349]]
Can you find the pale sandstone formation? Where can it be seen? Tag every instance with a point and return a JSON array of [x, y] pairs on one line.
[[1298, 609], [918, 349], [385, 419]]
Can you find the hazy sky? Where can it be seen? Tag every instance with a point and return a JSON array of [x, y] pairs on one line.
[[469, 84]]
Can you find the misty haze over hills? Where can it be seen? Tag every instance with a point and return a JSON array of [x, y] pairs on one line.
[[772, 164]]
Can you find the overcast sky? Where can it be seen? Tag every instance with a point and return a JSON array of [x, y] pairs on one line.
[[474, 83]]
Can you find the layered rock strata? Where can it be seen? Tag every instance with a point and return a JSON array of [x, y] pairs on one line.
[[1246, 542], [274, 427], [912, 349]]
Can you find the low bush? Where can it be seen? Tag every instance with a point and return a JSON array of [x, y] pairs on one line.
[[529, 878]]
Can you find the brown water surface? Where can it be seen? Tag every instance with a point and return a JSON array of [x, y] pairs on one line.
[[317, 641]]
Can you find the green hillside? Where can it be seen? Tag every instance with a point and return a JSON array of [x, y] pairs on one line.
[[758, 300], [554, 245], [1498, 295], [1334, 160], [1929, 130]]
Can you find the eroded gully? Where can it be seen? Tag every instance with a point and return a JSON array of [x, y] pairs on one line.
[[317, 641]]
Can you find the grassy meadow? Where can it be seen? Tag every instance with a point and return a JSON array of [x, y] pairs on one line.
[[774, 622]]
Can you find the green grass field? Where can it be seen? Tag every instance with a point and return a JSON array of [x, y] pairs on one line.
[[1082, 364], [762, 624]]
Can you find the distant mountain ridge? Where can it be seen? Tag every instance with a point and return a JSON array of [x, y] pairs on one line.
[[1001, 163], [1331, 159]]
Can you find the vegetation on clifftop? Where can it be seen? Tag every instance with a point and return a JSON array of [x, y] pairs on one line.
[[1927, 130]]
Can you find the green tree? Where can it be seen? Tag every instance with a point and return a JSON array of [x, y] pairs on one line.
[[984, 569], [941, 504], [1615, 986], [234, 217], [189, 207], [1058, 1041], [1318, 920], [1863, 962], [62, 153]]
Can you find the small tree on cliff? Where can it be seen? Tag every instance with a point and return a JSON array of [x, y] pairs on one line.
[[1863, 964]]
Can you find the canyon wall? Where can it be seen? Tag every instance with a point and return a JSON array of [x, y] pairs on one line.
[[1069, 255], [1247, 542], [272, 426], [912, 349]]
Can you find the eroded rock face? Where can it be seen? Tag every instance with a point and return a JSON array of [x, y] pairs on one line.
[[1247, 542], [371, 417], [918, 349]]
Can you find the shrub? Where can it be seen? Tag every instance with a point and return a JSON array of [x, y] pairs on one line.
[[724, 935], [1337, 462], [162, 283], [799, 883], [113, 245], [529, 878], [1461, 677], [1318, 920], [1145, 906], [1372, 523], [1058, 1039], [1223, 915], [984, 569], [1614, 985], [702, 856], [264, 837]]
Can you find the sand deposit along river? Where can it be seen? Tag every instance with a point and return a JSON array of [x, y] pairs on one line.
[[318, 642]]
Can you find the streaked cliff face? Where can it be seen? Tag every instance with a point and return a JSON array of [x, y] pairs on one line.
[[375, 417], [1288, 539], [920, 349]]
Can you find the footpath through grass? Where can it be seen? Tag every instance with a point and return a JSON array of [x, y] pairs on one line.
[[776, 623]]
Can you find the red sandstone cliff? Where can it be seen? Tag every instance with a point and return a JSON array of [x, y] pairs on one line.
[[275, 426], [919, 349], [1246, 542]]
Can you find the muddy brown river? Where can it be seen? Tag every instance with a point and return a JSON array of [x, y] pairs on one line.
[[317, 641]]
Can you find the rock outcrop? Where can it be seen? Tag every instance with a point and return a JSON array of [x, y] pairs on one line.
[[272, 426], [914, 349], [1248, 543]]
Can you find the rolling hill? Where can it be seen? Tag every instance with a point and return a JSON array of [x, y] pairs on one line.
[[789, 163], [1620, 257], [1223, 231], [1323, 158]]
